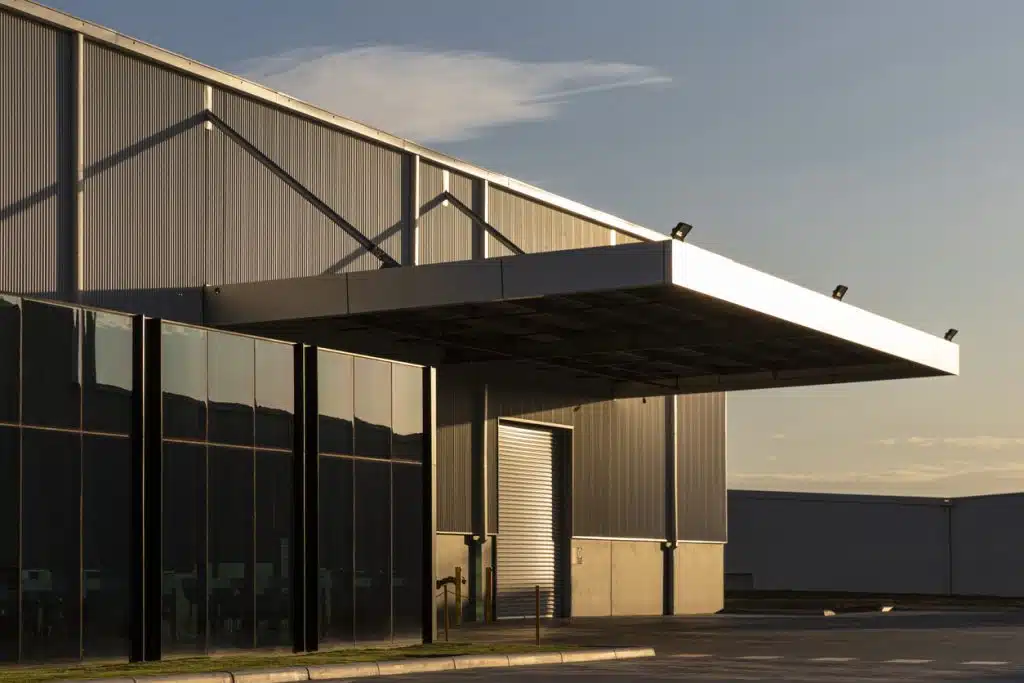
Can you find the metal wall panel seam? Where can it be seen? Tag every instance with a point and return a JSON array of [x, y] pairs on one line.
[[77, 226]]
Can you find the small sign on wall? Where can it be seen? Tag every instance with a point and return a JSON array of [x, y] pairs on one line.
[[579, 555]]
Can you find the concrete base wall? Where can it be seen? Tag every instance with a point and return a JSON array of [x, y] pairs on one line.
[[700, 578], [616, 578]]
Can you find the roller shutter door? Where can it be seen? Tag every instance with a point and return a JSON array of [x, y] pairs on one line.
[[526, 544]]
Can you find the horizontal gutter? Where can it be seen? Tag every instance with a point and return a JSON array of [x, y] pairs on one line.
[[214, 76]]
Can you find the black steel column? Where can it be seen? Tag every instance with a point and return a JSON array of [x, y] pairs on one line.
[[671, 504], [478, 539], [429, 612], [298, 549], [152, 503], [311, 465], [137, 542]]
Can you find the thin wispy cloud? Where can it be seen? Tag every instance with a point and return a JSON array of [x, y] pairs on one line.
[[985, 443], [432, 96]]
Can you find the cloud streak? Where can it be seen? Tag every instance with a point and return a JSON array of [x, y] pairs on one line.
[[985, 443], [433, 96]]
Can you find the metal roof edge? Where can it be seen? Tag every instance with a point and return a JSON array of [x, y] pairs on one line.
[[224, 79]]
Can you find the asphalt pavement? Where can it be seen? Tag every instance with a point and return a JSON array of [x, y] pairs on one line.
[[958, 646]]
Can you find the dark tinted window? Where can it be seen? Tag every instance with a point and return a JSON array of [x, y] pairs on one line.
[[10, 358], [407, 550], [50, 608], [335, 526], [184, 382], [273, 548], [106, 525], [107, 359], [231, 591], [335, 396], [275, 394], [373, 551], [232, 390], [52, 366], [9, 517], [407, 401], [184, 552], [373, 408]]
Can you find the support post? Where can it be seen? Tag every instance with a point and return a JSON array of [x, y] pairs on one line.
[[137, 542], [77, 210], [298, 549], [311, 509], [411, 234], [480, 206], [152, 490], [671, 503], [477, 541], [429, 528]]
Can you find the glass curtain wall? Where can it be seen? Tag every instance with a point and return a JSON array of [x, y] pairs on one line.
[[65, 481], [228, 415], [370, 484]]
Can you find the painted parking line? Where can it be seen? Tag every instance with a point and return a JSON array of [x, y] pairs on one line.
[[834, 659], [760, 658], [985, 663], [691, 656], [908, 661]]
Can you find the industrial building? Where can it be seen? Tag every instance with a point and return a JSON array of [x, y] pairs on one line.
[[483, 375], [877, 545]]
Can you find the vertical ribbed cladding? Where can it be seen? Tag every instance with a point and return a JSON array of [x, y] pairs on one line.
[[145, 186], [270, 232], [446, 234], [35, 159], [701, 470], [536, 227], [619, 469], [454, 456], [621, 238]]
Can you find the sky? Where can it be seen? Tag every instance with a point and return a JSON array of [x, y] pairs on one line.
[[871, 143]]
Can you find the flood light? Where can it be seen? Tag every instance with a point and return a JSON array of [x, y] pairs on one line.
[[839, 292], [681, 231], [950, 333]]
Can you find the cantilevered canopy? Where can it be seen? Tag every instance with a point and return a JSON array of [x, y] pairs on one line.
[[633, 320]]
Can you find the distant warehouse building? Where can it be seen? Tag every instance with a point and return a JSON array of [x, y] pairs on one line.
[[267, 375], [840, 543]]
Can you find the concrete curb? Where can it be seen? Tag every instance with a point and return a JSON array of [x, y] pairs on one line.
[[326, 672]]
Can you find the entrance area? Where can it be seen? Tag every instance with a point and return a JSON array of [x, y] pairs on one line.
[[531, 527]]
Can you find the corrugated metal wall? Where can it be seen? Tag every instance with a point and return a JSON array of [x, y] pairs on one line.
[[35, 158], [700, 472], [454, 456], [988, 556], [145, 186], [625, 239], [446, 234], [820, 542], [535, 227], [269, 231]]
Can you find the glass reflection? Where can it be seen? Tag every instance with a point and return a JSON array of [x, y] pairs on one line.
[[51, 485], [232, 388], [184, 549], [231, 590], [335, 530], [107, 355], [10, 477], [275, 394], [273, 548], [372, 408], [335, 398], [183, 373], [52, 365], [372, 491], [407, 550], [407, 440], [106, 515], [10, 358]]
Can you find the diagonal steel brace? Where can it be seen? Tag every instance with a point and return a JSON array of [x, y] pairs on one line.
[[365, 242], [491, 230]]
